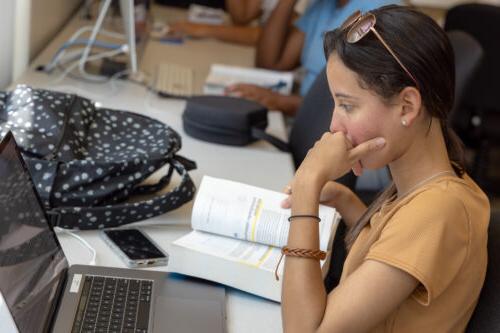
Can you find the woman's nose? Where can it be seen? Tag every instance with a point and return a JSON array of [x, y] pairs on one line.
[[335, 124]]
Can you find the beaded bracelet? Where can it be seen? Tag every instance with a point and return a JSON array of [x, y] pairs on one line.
[[300, 253], [304, 216]]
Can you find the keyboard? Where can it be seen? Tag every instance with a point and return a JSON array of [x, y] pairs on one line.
[[112, 305], [174, 80]]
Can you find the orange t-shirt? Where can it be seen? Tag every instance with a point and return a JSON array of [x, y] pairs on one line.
[[437, 234]]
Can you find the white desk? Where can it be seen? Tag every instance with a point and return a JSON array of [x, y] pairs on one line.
[[259, 164]]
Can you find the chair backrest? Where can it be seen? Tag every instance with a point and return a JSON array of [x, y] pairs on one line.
[[468, 55], [480, 21], [486, 316], [312, 119]]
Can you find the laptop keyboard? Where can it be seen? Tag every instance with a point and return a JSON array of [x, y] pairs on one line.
[[113, 305]]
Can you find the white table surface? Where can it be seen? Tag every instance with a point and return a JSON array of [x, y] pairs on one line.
[[258, 164]]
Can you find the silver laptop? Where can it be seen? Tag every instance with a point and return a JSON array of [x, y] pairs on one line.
[[40, 293]]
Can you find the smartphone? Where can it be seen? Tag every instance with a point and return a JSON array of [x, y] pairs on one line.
[[135, 247]]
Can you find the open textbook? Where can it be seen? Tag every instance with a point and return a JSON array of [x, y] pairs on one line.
[[222, 76], [238, 234]]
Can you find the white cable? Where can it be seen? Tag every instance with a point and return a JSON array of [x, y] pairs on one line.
[[81, 240], [109, 33], [101, 55], [109, 54], [77, 34], [115, 77], [85, 55], [148, 104], [68, 57], [62, 50], [86, 52], [138, 77]]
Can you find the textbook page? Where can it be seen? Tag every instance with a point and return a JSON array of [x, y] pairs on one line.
[[252, 254], [232, 262], [250, 213], [222, 76], [236, 263]]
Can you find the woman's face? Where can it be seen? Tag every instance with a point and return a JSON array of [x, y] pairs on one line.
[[363, 115]]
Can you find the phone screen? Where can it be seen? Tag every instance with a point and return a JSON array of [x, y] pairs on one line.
[[134, 244]]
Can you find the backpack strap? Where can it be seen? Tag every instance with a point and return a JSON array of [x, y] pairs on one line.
[[100, 217], [165, 180]]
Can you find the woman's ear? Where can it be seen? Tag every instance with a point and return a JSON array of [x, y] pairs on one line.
[[411, 102]]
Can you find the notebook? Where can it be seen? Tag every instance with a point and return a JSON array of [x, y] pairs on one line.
[[40, 292], [222, 76]]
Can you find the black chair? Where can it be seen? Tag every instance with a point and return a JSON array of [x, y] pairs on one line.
[[312, 118], [486, 316], [482, 98], [468, 55]]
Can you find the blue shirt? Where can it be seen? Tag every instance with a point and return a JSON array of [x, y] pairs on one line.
[[322, 16]]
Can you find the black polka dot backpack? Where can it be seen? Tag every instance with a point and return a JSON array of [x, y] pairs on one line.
[[88, 163]]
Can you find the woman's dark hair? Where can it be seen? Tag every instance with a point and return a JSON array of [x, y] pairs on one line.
[[424, 48]]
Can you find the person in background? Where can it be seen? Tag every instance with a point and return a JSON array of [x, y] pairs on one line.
[[417, 256], [284, 45], [242, 13]]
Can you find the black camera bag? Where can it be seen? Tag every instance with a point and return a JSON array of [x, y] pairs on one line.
[[227, 120]]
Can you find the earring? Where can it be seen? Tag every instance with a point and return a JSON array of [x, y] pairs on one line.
[[404, 122]]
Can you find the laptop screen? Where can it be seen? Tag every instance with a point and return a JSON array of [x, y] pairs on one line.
[[32, 264]]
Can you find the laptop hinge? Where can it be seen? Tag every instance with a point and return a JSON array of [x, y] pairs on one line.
[[54, 307]]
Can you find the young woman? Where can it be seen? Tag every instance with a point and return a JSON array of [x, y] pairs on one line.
[[242, 13], [417, 256]]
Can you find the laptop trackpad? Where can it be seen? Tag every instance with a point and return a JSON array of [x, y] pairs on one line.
[[174, 314]]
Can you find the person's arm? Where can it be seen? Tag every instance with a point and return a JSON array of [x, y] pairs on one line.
[[339, 196], [288, 104], [229, 33], [364, 300], [280, 43], [243, 12], [372, 292]]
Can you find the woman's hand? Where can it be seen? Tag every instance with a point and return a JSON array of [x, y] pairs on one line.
[[332, 194], [332, 157], [264, 96], [338, 196]]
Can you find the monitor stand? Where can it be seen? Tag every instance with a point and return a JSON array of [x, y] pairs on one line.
[[127, 13]]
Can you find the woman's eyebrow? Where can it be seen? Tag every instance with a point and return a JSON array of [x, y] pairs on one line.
[[342, 95]]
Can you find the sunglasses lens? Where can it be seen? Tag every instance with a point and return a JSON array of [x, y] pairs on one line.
[[360, 28], [350, 20]]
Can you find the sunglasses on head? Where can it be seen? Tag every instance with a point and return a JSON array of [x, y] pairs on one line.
[[358, 26]]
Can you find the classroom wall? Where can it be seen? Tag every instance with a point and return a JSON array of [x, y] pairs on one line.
[[6, 41], [27, 26], [47, 18]]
